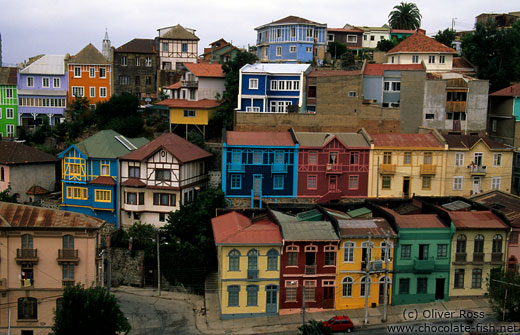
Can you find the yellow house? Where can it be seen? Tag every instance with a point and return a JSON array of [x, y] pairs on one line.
[[248, 252], [477, 164], [402, 165], [195, 113], [363, 239]]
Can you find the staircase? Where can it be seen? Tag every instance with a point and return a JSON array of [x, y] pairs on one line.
[[329, 196], [211, 295]]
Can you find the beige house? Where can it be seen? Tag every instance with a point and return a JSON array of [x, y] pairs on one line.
[[477, 164], [177, 45], [43, 250], [372, 35]]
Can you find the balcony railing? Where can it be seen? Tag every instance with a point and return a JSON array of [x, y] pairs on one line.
[[478, 170], [455, 106], [236, 167], [428, 169], [68, 255], [252, 274], [66, 283], [190, 83], [278, 168], [496, 257], [426, 265], [26, 256], [27, 282], [460, 257], [478, 257], [333, 168], [387, 169], [310, 269]]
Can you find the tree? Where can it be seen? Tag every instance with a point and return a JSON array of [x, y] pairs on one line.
[[446, 36], [386, 45], [499, 282], [313, 327], [142, 235], [6, 197], [120, 114], [337, 49], [89, 311], [406, 15]]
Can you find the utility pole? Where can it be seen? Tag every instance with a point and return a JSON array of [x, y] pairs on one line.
[[158, 266], [109, 265], [387, 257], [377, 190], [303, 304], [453, 23], [367, 275]]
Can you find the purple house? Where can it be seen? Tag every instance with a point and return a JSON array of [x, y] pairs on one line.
[[42, 91]]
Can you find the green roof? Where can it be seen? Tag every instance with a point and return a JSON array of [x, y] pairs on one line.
[[109, 144], [312, 215], [363, 211]]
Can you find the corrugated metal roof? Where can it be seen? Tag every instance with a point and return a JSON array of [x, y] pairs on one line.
[[295, 230], [295, 69], [48, 64], [456, 205], [476, 220], [235, 228], [363, 211], [507, 203], [376, 227], [393, 140], [310, 139], [278, 139]]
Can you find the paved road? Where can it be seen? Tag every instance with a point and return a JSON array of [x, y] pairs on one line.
[[153, 316]]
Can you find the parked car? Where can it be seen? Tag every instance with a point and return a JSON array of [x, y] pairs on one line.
[[341, 323]]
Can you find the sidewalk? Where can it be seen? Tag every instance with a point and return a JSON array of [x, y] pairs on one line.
[[207, 313]]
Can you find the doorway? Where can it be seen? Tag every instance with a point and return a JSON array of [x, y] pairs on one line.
[[477, 187], [439, 289], [271, 298], [406, 187], [333, 183], [328, 297], [257, 185]]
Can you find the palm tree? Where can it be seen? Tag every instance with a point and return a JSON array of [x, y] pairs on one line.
[[406, 15]]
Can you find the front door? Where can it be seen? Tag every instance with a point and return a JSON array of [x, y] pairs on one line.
[[381, 293], [328, 297], [271, 299], [257, 185], [439, 289], [477, 185], [333, 183], [406, 187]]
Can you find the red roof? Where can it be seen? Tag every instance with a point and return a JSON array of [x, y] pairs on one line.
[[175, 86], [461, 63], [378, 69], [205, 70], [37, 190], [419, 42], [343, 30], [403, 31], [394, 140], [416, 220], [103, 180], [183, 103], [133, 182], [181, 149], [18, 153], [294, 19], [333, 73], [511, 91], [235, 228], [476, 220], [278, 139]]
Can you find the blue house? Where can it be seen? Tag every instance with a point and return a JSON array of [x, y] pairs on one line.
[[259, 165], [90, 174], [272, 88], [292, 40]]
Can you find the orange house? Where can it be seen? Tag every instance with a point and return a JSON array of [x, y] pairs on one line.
[[89, 76]]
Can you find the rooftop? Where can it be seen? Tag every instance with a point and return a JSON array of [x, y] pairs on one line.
[[17, 153], [276, 68], [296, 230], [277, 139], [235, 228], [89, 55], [138, 45], [507, 203], [205, 70], [375, 227], [291, 19], [310, 139], [48, 64], [184, 103], [393, 140], [469, 141], [8, 75], [332, 73], [178, 32], [511, 91], [420, 43], [379, 69]]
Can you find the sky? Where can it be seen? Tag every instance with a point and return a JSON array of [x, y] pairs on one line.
[[34, 27]]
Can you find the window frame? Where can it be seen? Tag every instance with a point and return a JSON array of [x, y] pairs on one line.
[[253, 83], [103, 196]]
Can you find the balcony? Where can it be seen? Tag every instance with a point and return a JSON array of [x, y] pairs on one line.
[[26, 256], [424, 265], [24, 283], [67, 255], [497, 258], [66, 283], [478, 170], [460, 257], [252, 274], [455, 106], [190, 83], [310, 269], [278, 168], [333, 168], [428, 169], [478, 257], [236, 167], [387, 169]]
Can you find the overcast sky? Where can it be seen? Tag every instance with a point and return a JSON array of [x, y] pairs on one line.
[[33, 27]]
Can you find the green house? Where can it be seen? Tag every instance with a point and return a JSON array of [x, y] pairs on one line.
[[8, 102], [422, 253]]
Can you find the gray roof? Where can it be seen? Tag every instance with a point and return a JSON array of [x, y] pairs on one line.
[[104, 144], [42, 92], [89, 55], [178, 32], [48, 64], [276, 68], [294, 230], [307, 139]]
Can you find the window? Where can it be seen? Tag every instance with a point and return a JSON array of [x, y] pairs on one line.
[[164, 199], [476, 278], [131, 198], [252, 295], [372, 38], [252, 260], [148, 61], [189, 113], [514, 238], [422, 285], [365, 286], [364, 37], [407, 158], [68, 272], [497, 243], [77, 72], [442, 250], [311, 182], [257, 157], [92, 92], [274, 85], [272, 260], [352, 94], [236, 181], [234, 260], [290, 290], [387, 157], [353, 182], [292, 255], [9, 92], [384, 250], [278, 157], [386, 182], [313, 158], [427, 158], [442, 59], [292, 49], [351, 39], [74, 169], [278, 51], [459, 159], [124, 80], [78, 92], [162, 175], [308, 49], [137, 61], [427, 182], [27, 308], [253, 83], [9, 113], [184, 47], [497, 160], [406, 251], [30, 81], [293, 32], [56, 82], [46, 82], [233, 291], [78, 193], [457, 183], [102, 196], [102, 92], [348, 252], [429, 116], [134, 171], [309, 32], [91, 72], [278, 182], [478, 245], [354, 158], [68, 242], [102, 72], [310, 289], [431, 59], [2, 174], [495, 183], [461, 243], [148, 80], [415, 59], [330, 255], [404, 285], [347, 286], [459, 278], [124, 60], [27, 241]]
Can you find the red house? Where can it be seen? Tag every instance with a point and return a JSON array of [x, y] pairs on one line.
[[308, 261], [332, 166]]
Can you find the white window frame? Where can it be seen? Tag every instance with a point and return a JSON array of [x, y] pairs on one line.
[[7, 110], [92, 91], [496, 183], [293, 32], [309, 32], [442, 59], [458, 183], [415, 59], [431, 59], [30, 81], [56, 80], [78, 88], [292, 49], [253, 109], [278, 51], [459, 159], [102, 72], [253, 83], [497, 158], [77, 71], [102, 92], [391, 86], [9, 130], [46, 80], [8, 92], [92, 72], [351, 246], [148, 61], [308, 49], [351, 38]]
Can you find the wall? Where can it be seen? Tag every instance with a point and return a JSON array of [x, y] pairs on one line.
[[412, 95], [209, 88], [132, 71], [127, 269], [23, 177], [505, 127], [477, 104], [434, 67]]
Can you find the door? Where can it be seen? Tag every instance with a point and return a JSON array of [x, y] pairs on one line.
[[406, 187], [423, 251], [328, 297], [439, 289], [271, 299], [333, 183], [381, 293], [477, 185], [257, 185]]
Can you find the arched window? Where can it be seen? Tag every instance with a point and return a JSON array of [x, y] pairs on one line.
[[479, 243], [68, 242], [347, 286], [497, 243], [382, 280], [272, 260], [27, 241], [234, 260], [461, 243], [27, 308], [348, 252], [365, 286], [252, 260]]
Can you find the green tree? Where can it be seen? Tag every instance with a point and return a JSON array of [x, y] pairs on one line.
[[386, 45], [120, 114], [89, 311], [190, 250], [337, 49], [406, 15], [5, 195], [499, 282], [142, 235], [313, 327], [446, 36]]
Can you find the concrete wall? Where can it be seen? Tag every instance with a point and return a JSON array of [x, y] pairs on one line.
[[209, 87], [505, 128], [412, 100], [22, 177], [476, 105]]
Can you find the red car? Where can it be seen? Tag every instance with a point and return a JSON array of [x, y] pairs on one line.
[[340, 323]]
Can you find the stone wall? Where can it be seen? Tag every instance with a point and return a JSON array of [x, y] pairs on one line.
[[127, 269]]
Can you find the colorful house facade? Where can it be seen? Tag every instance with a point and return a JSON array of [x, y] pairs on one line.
[[8, 101], [176, 45], [90, 76], [291, 40], [160, 176], [248, 252], [332, 166], [90, 174], [259, 165], [42, 91]]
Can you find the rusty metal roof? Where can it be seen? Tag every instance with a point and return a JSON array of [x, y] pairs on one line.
[[235, 228], [277, 139], [507, 203], [375, 227], [394, 140]]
